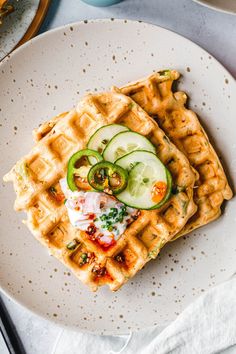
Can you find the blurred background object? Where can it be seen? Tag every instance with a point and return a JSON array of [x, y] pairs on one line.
[[9, 339], [22, 22], [228, 6], [5, 9]]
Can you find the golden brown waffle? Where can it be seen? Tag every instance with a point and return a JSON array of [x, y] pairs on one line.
[[36, 173], [154, 94]]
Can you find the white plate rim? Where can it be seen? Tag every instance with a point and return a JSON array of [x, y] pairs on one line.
[[101, 20]]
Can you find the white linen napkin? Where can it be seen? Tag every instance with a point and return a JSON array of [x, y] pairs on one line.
[[206, 326]]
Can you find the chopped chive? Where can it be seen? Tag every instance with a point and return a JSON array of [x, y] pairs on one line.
[[103, 217]]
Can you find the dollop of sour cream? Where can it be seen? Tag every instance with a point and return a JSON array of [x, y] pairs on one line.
[[101, 216]]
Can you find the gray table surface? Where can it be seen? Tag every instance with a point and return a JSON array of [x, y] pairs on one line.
[[214, 31]]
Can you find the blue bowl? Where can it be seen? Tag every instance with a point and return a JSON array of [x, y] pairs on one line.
[[102, 2]]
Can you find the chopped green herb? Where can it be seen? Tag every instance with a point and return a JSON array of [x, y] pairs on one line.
[[165, 73], [113, 216], [131, 105], [103, 217], [152, 254], [22, 169], [184, 206], [84, 256]]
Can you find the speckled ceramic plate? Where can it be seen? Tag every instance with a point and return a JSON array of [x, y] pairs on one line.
[[62, 65], [22, 24], [228, 6]]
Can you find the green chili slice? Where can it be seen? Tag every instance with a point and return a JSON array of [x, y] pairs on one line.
[[72, 168], [108, 177]]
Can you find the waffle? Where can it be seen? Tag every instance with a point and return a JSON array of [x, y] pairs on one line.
[[47, 126], [155, 95], [36, 173]]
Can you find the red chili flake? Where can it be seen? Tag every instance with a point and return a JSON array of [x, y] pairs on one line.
[[92, 216]]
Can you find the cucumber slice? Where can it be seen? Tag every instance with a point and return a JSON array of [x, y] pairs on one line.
[[124, 143], [102, 136], [147, 175]]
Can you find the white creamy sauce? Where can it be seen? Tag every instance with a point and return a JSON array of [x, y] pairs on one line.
[[102, 216]]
